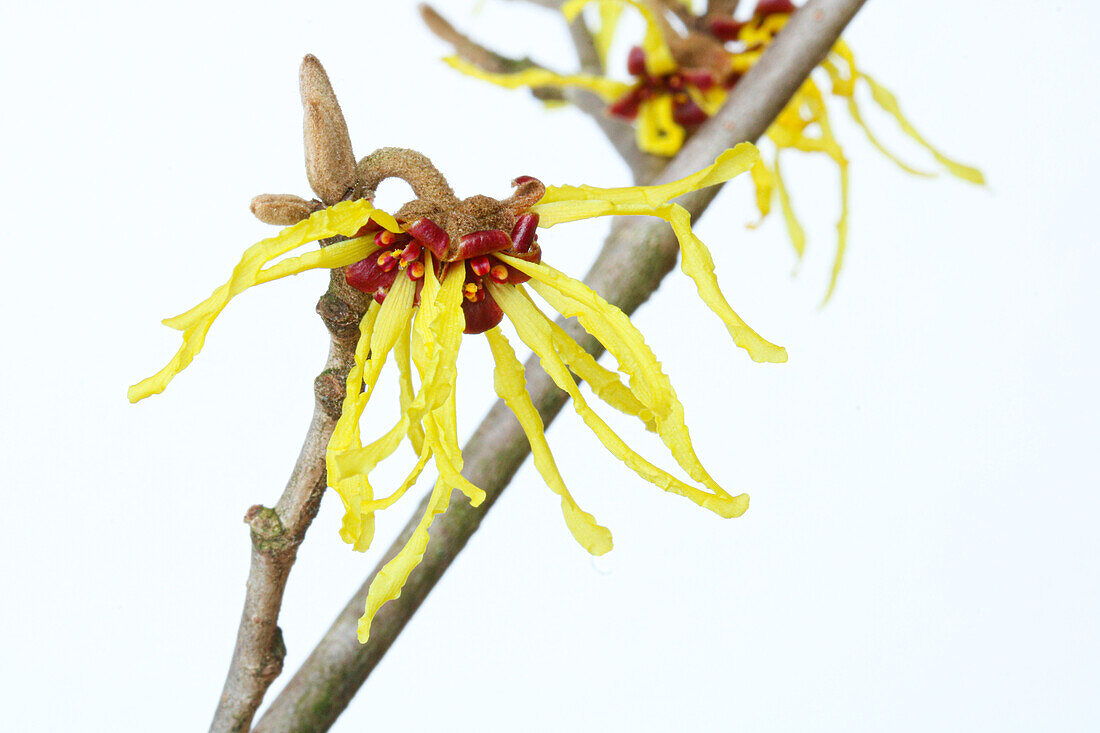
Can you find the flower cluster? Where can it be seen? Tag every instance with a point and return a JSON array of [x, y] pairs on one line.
[[440, 267], [679, 81]]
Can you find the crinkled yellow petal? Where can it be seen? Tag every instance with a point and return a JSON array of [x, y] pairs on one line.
[[655, 130], [387, 585], [354, 488], [889, 102], [841, 230], [567, 203], [711, 100], [605, 383], [384, 503], [761, 31], [357, 528], [610, 10], [815, 102], [794, 229], [764, 182], [696, 262], [607, 89], [404, 365], [741, 62], [511, 386], [612, 328], [658, 56], [532, 326], [436, 380], [440, 434], [844, 86], [343, 219]]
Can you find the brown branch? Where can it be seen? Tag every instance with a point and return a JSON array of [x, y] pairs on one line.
[[638, 254], [277, 532], [479, 55]]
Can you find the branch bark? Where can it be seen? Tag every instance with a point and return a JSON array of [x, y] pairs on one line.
[[277, 532], [636, 257]]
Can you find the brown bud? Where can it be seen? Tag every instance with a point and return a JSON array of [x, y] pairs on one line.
[[330, 163], [281, 209]]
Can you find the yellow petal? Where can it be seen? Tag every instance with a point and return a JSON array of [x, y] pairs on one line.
[[841, 231], [794, 228], [889, 102], [354, 488], [605, 383], [439, 431], [764, 182], [380, 504], [844, 86], [610, 10], [404, 366], [436, 382], [357, 528], [387, 585], [607, 89], [696, 262], [511, 386], [655, 130], [658, 56], [343, 219], [569, 203], [534, 330], [612, 328]]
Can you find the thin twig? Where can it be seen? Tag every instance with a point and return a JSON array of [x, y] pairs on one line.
[[480, 56], [277, 532], [638, 254]]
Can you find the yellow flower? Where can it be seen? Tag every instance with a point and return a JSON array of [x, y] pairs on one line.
[[441, 267], [680, 81]]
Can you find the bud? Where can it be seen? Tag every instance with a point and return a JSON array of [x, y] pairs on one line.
[[281, 209], [330, 163]]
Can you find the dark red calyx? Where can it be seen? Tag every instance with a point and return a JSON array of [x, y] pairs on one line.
[[411, 253], [520, 180], [385, 238], [514, 275], [431, 235], [482, 243], [374, 274], [481, 314], [724, 28], [480, 265], [765, 8], [635, 61], [627, 105], [687, 113], [701, 79], [524, 233], [369, 228]]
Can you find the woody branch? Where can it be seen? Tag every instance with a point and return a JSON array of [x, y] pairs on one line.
[[636, 256]]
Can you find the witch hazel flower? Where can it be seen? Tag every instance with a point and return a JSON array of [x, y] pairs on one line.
[[441, 268], [681, 79]]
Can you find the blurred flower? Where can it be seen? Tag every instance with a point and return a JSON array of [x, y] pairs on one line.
[[681, 80], [442, 266]]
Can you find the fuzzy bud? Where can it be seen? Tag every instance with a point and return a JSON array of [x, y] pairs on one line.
[[330, 163], [281, 209]]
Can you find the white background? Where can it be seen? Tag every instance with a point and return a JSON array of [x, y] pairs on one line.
[[921, 549]]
